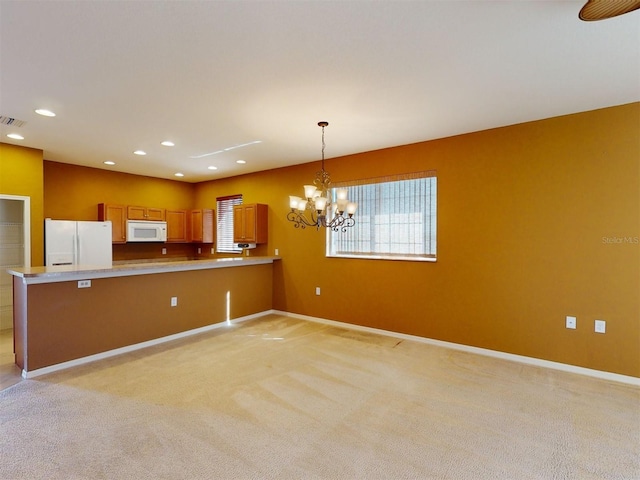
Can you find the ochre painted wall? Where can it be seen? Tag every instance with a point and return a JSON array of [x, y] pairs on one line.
[[524, 217], [21, 174], [529, 218], [72, 192]]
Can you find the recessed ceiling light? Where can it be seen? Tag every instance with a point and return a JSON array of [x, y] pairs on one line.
[[140, 152], [179, 174], [211, 167], [15, 136], [241, 162], [109, 162], [168, 143], [45, 113]]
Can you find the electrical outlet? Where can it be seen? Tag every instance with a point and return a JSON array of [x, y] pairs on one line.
[[600, 326], [84, 283], [213, 250], [174, 301], [199, 250], [277, 252], [164, 251], [571, 322], [317, 290]]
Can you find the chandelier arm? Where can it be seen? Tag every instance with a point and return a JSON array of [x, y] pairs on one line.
[[299, 219], [348, 223], [337, 220]]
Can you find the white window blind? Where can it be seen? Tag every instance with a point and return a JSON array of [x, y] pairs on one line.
[[396, 219], [224, 209]]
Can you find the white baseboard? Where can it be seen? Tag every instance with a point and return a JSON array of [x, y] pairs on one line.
[[138, 346], [615, 377]]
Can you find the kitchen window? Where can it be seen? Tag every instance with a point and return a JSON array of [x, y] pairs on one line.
[[224, 222], [396, 219]]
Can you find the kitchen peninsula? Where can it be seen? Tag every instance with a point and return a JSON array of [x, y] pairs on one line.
[[69, 313]]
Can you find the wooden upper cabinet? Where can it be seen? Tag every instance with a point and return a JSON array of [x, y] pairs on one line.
[[250, 223], [145, 213], [117, 214], [201, 225], [177, 226]]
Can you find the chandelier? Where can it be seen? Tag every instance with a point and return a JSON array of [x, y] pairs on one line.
[[338, 215]]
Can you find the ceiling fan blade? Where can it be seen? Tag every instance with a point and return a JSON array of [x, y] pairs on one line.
[[602, 9]]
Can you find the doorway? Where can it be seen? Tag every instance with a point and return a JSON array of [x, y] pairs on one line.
[[15, 251]]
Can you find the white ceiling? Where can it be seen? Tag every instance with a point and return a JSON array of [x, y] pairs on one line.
[[208, 75]]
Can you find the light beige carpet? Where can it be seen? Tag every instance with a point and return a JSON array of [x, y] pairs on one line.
[[279, 398]]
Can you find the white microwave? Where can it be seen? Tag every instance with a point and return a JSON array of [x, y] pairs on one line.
[[146, 231]]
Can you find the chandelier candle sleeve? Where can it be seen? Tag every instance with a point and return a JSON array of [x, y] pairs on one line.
[[318, 210]]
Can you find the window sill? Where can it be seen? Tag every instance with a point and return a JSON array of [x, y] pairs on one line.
[[385, 257]]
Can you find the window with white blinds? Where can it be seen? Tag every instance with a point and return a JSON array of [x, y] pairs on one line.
[[224, 222], [396, 219]]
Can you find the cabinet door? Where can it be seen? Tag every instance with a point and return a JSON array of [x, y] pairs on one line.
[[196, 226], [157, 214], [145, 213], [250, 223], [238, 223], [201, 225], [176, 225], [118, 216], [136, 213]]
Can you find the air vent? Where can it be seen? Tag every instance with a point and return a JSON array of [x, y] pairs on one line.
[[14, 122]]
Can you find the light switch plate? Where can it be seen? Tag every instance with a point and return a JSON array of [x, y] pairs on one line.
[[571, 322], [600, 326]]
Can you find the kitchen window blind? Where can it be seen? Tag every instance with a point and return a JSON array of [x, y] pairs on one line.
[[225, 223], [395, 220]]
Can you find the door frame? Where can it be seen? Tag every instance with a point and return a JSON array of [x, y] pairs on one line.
[[26, 224]]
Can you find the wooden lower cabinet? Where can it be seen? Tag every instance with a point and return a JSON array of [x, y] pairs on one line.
[[177, 226], [117, 215]]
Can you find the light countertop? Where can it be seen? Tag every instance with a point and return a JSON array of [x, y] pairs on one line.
[[66, 273]]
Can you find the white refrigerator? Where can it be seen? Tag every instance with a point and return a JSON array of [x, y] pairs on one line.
[[68, 242]]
